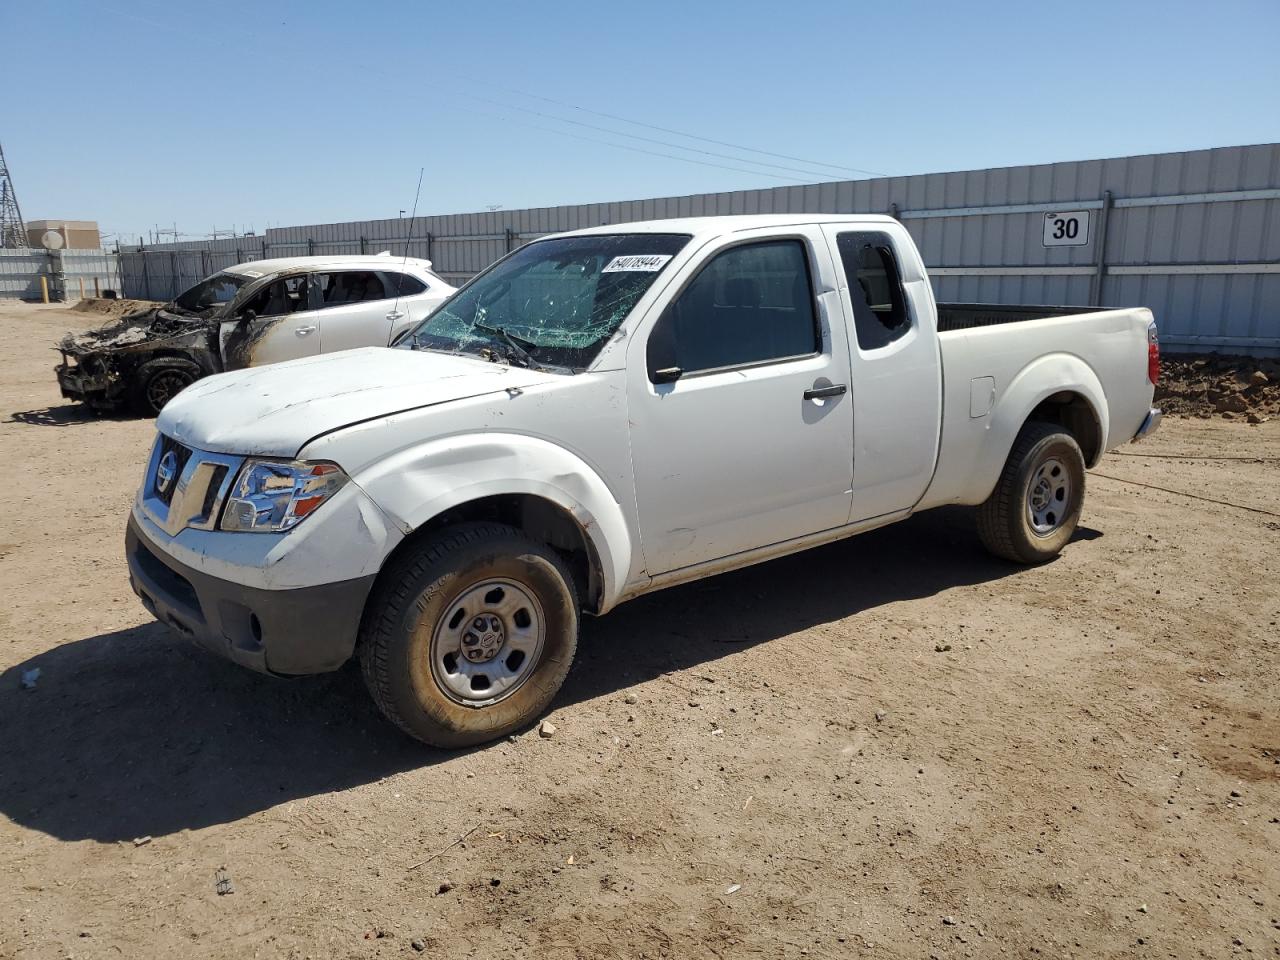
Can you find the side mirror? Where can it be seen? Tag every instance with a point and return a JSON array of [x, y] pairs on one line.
[[248, 317]]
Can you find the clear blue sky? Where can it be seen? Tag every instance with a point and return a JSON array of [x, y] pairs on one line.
[[264, 113]]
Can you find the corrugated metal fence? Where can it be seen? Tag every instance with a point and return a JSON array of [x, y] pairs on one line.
[[1194, 235], [69, 274]]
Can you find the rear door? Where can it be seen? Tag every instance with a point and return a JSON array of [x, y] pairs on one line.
[[741, 423], [412, 299], [354, 308], [896, 369]]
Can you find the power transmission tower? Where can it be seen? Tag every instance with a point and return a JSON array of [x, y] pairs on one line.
[[13, 232]]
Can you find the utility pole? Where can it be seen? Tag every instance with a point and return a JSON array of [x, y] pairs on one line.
[[13, 232]]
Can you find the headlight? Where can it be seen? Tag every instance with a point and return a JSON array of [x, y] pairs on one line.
[[270, 496]]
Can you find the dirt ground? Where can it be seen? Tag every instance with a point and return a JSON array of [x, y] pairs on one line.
[[894, 746], [1214, 386]]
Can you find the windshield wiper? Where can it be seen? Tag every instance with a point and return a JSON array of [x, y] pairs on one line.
[[520, 347]]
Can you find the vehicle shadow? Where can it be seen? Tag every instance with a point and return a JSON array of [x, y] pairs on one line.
[[139, 733], [694, 624], [66, 415]]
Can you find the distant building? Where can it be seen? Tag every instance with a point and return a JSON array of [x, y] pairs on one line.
[[76, 234]]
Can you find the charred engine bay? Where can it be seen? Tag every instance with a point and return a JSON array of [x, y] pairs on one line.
[[98, 366], [134, 329]]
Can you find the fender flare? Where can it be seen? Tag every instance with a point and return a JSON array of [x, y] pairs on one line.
[[420, 482], [1039, 380]]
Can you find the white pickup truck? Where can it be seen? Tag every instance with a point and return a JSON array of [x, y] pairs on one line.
[[602, 414]]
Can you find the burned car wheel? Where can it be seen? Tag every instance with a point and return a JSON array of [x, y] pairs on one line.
[[158, 381]]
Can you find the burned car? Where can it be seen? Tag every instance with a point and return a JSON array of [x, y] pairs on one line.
[[247, 315]]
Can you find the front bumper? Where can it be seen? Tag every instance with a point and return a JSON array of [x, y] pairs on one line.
[[76, 384], [286, 632], [1150, 424]]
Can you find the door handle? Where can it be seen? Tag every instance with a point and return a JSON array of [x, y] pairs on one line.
[[395, 315], [303, 331], [818, 393]]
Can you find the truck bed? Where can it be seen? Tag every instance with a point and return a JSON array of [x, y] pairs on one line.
[[966, 316], [994, 365]]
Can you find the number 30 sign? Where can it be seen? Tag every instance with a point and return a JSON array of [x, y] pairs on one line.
[[1066, 228]]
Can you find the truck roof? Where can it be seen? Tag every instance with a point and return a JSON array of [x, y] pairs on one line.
[[382, 262], [730, 224]]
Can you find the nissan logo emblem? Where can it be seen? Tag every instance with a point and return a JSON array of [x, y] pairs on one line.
[[166, 471]]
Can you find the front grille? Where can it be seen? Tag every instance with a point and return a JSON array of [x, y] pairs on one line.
[[210, 505], [181, 455]]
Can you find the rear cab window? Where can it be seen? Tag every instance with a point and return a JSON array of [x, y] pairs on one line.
[[880, 311]]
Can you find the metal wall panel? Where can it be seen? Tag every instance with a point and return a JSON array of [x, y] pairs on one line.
[[1171, 213], [20, 272]]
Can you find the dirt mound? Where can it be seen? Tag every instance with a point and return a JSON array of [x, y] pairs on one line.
[[112, 308], [1218, 385]]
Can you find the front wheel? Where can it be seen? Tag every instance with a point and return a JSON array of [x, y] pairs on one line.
[[1035, 507], [158, 381], [469, 635]]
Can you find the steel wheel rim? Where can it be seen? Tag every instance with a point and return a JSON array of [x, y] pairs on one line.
[[488, 642], [1048, 497], [164, 387]]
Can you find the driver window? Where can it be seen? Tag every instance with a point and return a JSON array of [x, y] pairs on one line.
[[287, 295], [751, 304]]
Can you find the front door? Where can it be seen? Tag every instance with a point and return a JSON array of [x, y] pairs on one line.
[[275, 323], [895, 367], [741, 419]]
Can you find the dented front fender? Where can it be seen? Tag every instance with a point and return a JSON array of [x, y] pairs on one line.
[[421, 482]]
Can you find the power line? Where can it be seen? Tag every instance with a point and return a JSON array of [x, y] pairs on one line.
[[691, 136], [652, 153], [636, 136]]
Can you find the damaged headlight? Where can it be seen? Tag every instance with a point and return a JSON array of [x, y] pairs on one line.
[[270, 496]]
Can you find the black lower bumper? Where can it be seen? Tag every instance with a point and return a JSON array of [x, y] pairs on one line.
[[94, 389], [76, 386], [285, 632]]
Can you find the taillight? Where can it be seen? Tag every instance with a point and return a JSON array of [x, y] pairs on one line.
[[1153, 354]]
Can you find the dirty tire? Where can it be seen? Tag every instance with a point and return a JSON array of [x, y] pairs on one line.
[[1005, 520], [412, 599], [158, 381]]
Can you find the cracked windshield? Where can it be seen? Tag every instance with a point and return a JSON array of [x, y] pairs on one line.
[[553, 303]]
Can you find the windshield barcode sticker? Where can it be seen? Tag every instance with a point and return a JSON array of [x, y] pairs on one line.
[[637, 263]]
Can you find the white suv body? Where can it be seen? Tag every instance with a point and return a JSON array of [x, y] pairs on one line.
[[302, 306]]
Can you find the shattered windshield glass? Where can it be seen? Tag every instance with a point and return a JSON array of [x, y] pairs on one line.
[[215, 291], [551, 303]]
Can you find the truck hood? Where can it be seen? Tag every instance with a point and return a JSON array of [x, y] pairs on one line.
[[274, 410]]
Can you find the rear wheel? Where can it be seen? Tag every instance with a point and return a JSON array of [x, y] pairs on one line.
[[1035, 508], [469, 636], [158, 381]]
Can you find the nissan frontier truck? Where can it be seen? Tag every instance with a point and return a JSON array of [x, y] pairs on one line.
[[598, 415]]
